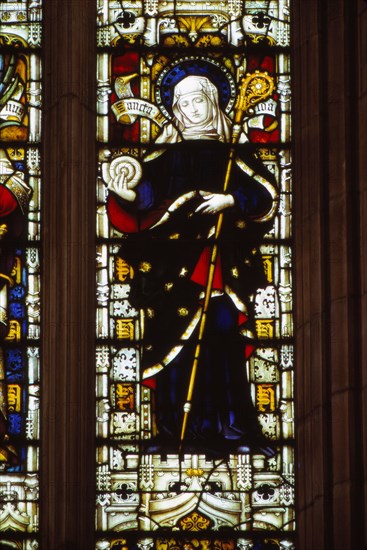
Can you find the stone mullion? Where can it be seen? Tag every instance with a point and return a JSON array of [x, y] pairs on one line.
[[310, 272], [331, 270], [362, 146], [325, 489], [67, 446], [319, 356], [344, 277], [353, 63]]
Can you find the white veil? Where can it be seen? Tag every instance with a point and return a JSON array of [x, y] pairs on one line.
[[217, 125]]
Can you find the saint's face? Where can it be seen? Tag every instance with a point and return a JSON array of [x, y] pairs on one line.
[[194, 107]]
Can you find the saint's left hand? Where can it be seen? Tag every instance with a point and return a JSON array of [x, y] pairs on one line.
[[214, 202]]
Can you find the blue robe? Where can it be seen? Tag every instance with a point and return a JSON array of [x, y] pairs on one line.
[[170, 265]]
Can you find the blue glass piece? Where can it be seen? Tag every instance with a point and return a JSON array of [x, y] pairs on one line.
[[17, 311], [22, 457], [15, 423], [14, 468], [14, 365], [19, 165], [2, 63], [17, 293]]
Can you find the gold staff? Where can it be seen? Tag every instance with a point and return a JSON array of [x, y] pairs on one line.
[[254, 88]]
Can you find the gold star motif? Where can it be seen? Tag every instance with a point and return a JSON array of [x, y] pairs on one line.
[[145, 267], [174, 236], [234, 272], [150, 312], [183, 311], [184, 271], [168, 287]]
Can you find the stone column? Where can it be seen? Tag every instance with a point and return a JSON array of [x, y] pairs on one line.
[[330, 84], [68, 311]]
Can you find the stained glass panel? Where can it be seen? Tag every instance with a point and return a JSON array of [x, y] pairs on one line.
[[20, 172], [195, 417]]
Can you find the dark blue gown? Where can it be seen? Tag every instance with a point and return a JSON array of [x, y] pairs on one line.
[[166, 259]]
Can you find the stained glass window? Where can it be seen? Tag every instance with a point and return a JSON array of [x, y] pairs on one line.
[[195, 422], [20, 133]]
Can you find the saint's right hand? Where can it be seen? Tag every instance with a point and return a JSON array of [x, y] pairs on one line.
[[119, 186]]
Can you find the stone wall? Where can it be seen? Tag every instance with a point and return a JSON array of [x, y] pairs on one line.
[[330, 86]]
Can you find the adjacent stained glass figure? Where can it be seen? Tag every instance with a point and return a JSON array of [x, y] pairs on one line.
[[20, 125]]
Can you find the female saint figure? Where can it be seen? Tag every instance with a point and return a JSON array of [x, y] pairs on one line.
[[169, 220]]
